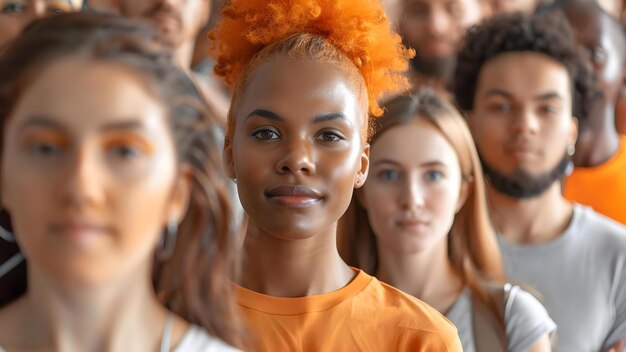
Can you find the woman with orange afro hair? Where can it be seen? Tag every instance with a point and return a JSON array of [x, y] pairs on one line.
[[306, 75]]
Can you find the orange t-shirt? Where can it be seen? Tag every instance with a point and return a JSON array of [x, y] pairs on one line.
[[365, 315], [602, 187]]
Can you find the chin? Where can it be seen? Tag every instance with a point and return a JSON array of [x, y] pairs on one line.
[[291, 233], [412, 247]]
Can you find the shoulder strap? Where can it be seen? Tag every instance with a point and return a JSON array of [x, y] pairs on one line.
[[489, 329], [166, 339]]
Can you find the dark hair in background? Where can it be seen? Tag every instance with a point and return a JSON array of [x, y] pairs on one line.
[[195, 281], [548, 34], [575, 8], [593, 6]]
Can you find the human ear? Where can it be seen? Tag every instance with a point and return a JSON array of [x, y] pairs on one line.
[[364, 167], [227, 160]]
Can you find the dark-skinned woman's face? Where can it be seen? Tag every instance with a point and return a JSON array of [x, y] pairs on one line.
[[297, 148]]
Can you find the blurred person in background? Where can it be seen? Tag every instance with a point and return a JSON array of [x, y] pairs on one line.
[[434, 29], [600, 154], [523, 85], [108, 170], [181, 22], [15, 15]]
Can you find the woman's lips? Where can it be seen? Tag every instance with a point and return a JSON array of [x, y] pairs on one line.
[[412, 225], [294, 196], [79, 231]]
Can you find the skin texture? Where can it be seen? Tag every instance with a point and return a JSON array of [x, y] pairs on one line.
[[603, 41], [17, 14], [105, 187], [522, 118], [298, 124], [411, 198], [522, 121]]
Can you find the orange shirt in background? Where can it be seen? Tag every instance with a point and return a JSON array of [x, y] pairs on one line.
[[602, 187], [366, 315]]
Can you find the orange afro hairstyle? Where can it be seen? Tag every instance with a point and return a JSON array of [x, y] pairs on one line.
[[357, 28]]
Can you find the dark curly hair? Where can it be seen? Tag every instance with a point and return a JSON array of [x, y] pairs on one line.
[[548, 34]]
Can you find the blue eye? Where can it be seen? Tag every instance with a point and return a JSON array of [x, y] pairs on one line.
[[388, 175], [503, 107], [45, 150], [125, 152], [433, 176], [265, 135]]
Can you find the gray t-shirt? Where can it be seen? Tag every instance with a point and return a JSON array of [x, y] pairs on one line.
[[581, 278], [526, 320]]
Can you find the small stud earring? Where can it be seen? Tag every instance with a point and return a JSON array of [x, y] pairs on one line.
[[571, 150], [359, 180]]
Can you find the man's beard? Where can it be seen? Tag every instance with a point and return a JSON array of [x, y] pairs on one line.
[[437, 67], [521, 184]]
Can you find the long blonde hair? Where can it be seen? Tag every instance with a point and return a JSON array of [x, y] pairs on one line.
[[472, 245]]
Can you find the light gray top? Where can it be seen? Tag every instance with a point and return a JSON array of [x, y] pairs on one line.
[[581, 278], [526, 320], [198, 340]]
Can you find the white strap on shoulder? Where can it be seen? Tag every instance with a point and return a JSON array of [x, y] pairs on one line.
[[166, 341]]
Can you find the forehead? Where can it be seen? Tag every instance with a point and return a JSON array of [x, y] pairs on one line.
[[524, 76], [413, 143], [79, 93], [294, 87]]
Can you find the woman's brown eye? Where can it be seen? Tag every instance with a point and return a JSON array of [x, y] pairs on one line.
[[331, 137], [265, 135]]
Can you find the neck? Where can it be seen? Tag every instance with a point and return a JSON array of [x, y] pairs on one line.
[[293, 267], [183, 55], [427, 275], [124, 317], [599, 142], [530, 221]]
